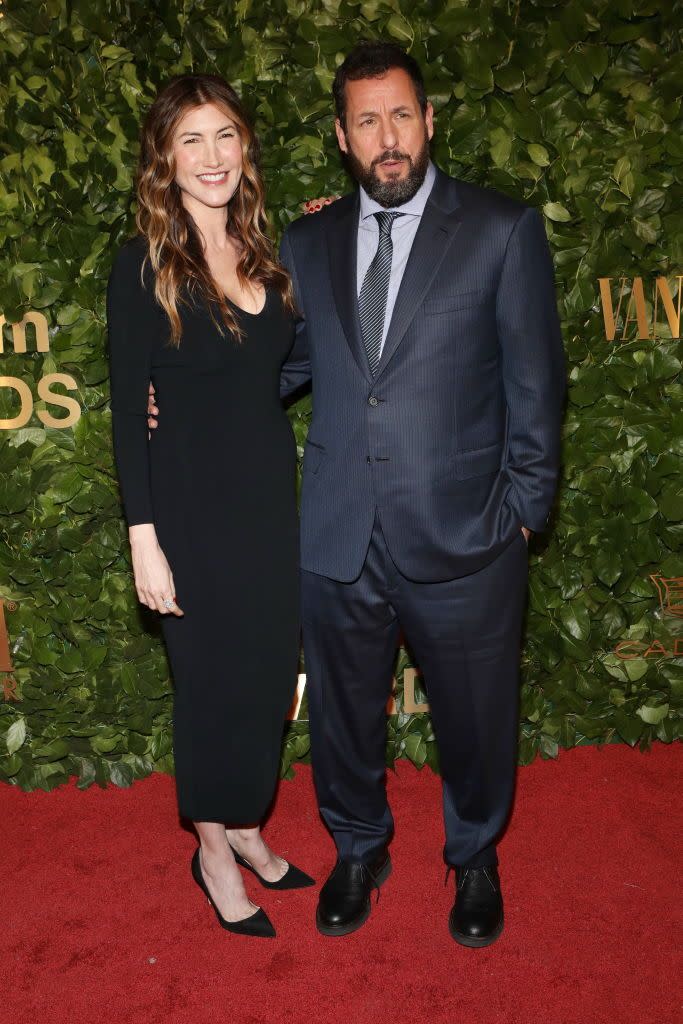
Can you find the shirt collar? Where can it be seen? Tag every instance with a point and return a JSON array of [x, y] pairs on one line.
[[414, 208]]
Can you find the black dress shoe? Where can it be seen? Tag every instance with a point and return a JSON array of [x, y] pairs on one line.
[[344, 903], [476, 918], [293, 878], [257, 924]]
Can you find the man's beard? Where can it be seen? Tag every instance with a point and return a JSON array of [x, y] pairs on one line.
[[391, 193]]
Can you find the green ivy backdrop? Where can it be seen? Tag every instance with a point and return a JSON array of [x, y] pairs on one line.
[[573, 106]]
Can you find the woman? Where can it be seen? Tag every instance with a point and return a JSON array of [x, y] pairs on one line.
[[197, 304]]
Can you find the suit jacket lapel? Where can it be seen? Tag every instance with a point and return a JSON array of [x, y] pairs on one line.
[[342, 241], [438, 226]]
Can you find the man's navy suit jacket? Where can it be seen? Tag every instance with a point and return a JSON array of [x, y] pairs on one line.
[[456, 438]]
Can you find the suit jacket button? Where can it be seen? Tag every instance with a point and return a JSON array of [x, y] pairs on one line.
[[372, 400]]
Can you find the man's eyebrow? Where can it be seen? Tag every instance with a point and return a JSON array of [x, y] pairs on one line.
[[231, 125], [394, 110]]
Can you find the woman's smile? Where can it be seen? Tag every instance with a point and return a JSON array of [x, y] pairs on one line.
[[214, 178]]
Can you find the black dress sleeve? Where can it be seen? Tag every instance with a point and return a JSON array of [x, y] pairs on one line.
[[133, 324], [296, 371]]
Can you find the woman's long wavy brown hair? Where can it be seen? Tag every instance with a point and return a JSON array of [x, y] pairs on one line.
[[175, 247]]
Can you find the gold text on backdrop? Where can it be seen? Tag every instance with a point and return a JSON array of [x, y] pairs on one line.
[[634, 323], [22, 388], [410, 704]]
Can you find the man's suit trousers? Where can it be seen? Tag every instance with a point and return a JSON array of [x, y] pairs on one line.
[[465, 636]]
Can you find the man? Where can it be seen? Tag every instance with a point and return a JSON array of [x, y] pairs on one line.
[[429, 330]]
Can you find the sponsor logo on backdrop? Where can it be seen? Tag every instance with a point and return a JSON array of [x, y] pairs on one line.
[[670, 594], [670, 590], [410, 704], [16, 336], [631, 320], [7, 680]]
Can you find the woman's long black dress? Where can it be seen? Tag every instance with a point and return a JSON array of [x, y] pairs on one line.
[[217, 480]]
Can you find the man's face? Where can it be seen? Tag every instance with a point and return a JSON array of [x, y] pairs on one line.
[[386, 141]]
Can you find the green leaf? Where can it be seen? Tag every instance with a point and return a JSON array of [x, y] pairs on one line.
[[628, 727], [66, 485], [501, 146], [56, 750], [590, 728], [31, 435], [671, 502], [68, 314], [509, 78], [15, 735], [578, 71], [93, 657], [653, 715], [70, 662], [44, 655], [608, 566], [107, 744], [575, 619], [556, 212], [400, 29], [121, 774], [597, 59], [416, 748], [639, 506], [539, 155]]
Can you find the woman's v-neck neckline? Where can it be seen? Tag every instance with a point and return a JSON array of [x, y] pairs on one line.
[[246, 311]]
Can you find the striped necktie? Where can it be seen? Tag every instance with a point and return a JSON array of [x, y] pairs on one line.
[[372, 301]]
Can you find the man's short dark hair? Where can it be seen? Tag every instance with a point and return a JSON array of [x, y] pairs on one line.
[[372, 60]]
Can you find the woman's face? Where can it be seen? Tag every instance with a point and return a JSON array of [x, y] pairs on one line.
[[208, 156]]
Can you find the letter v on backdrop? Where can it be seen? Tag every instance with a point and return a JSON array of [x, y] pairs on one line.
[[637, 319]]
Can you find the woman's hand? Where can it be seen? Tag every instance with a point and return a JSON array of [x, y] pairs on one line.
[[153, 576], [152, 411]]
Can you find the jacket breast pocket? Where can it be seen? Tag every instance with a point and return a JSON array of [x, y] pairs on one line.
[[456, 300]]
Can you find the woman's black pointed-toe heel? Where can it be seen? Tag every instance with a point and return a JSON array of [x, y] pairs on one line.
[[293, 878], [257, 924]]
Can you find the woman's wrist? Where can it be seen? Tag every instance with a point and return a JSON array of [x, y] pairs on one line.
[[142, 533]]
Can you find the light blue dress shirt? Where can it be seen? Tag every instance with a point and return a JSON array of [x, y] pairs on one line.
[[402, 235]]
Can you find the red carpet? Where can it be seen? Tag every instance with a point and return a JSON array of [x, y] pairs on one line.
[[102, 921]]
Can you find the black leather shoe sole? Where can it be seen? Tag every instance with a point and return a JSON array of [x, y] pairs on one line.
[[357, 922], [472, 941]]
